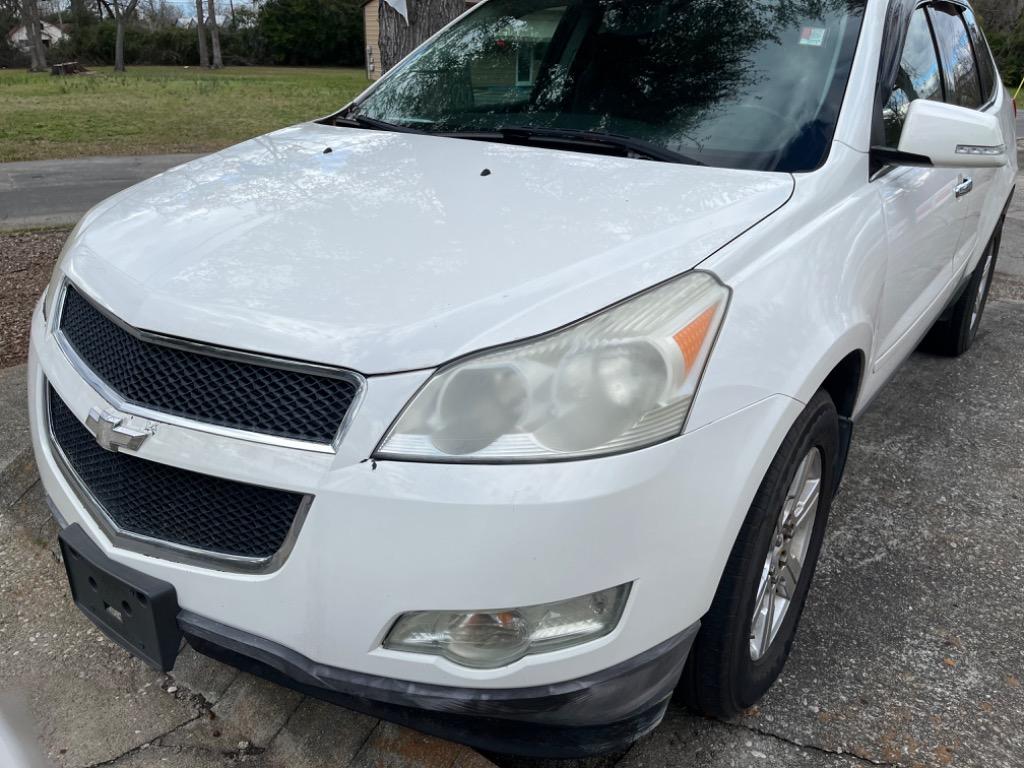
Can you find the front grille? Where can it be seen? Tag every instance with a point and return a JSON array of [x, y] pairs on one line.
[[214, 390], [174, 505]]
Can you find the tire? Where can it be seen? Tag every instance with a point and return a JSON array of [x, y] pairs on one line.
[[722, 677], [957, 330]]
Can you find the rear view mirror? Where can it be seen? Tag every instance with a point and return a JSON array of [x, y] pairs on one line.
[[946, 136]]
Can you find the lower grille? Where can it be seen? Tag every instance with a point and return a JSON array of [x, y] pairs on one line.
[[172, 505]]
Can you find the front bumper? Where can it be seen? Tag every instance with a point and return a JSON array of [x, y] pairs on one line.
[[599, 713], [385, 538]]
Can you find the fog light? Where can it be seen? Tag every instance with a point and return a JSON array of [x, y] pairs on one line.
[[489, 639]]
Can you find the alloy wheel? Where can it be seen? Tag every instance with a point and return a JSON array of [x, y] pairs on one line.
[[786, 555]]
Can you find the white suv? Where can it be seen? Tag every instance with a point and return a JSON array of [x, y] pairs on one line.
[[513, 397]]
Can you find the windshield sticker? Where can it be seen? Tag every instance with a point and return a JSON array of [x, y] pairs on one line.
[[813, 36]]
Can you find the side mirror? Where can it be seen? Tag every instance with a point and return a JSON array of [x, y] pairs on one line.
[[946, 136]]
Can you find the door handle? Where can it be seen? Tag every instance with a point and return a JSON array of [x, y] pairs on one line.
[[964, 188]]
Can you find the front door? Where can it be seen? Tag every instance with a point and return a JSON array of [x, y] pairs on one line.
[[964, 50], [925, 209]]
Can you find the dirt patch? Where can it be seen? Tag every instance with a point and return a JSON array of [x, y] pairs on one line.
[[26, 260]]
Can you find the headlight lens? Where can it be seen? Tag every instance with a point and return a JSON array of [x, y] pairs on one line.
[[621, 380], [490, 639], [52, 288]]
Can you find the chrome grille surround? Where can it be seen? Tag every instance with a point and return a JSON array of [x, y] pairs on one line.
[[348, 383]]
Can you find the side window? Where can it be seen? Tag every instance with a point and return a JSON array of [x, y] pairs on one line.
[[960, 70], [986, 63], [919, 77]]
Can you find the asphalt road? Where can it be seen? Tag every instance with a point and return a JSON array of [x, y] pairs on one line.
[[58, 192]]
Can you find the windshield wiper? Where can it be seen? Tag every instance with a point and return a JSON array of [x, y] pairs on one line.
[[572, 137], [371, 124], [567, 137]]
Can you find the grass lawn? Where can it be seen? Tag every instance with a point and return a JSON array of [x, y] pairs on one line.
[[157, 110]]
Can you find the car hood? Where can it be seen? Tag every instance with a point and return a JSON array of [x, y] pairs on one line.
[[383, 252]]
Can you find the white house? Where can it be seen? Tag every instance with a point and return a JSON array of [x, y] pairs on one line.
[[18, 36]]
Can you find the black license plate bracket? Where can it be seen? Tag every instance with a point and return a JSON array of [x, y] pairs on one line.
[[135, 610]]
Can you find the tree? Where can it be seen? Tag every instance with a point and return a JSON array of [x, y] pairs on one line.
[[36, 49], [160, 14], [204, 57], [1003, 21], [120, 11], [1000, 15], [218, 63], [81, 15], [398, 39]]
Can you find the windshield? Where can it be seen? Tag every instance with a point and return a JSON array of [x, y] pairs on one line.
[[754, 84]]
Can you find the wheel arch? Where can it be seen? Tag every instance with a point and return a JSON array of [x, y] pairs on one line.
[[844, 384]]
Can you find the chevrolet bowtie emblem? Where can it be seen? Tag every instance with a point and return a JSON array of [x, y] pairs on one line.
[[107, 427]]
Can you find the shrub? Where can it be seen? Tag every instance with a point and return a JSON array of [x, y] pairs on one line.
[[1008, 48], [324, 32], [11, 57]]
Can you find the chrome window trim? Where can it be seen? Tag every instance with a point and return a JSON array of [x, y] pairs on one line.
[[115, 399], [160, 548]]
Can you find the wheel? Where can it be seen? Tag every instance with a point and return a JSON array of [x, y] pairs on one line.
[[746, 637], [956, 331]]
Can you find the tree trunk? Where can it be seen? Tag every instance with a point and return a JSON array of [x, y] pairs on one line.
[[79, 12], [204, 57], [119, 44], [36, 49], [218, 63], [398, 39]]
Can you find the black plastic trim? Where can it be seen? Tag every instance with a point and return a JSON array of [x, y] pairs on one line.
[[133, 609], [894, 157], [587, 716], [846, 427]]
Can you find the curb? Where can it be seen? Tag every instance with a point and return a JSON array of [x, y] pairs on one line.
[[44, 221]]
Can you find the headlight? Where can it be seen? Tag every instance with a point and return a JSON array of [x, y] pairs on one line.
[[618, 381], [490, 639], [52, 289]]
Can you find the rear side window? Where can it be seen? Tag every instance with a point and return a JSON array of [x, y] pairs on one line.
[[987, 71], [960, 70], [919, 77]]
